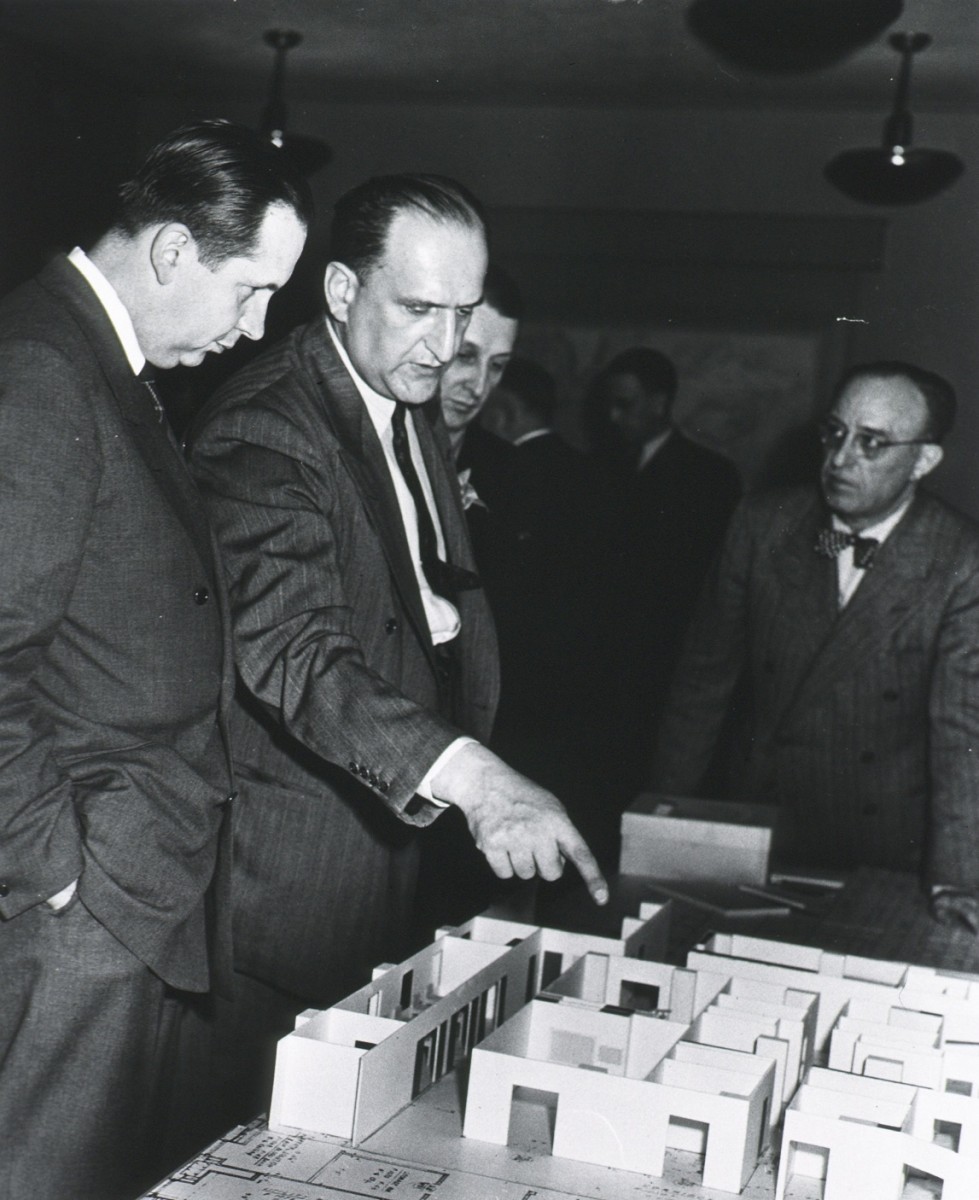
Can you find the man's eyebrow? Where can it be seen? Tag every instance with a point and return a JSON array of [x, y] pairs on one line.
[[435, 304]]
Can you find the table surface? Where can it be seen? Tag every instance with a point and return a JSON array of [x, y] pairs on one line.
[[876, 914]]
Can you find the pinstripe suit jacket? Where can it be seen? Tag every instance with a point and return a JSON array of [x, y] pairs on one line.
[[113, 644], [862, 723], [338, 717]]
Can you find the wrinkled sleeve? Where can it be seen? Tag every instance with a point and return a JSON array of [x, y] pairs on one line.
[[275, 513]]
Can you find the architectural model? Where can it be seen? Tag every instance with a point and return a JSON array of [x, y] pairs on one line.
[[348, 1069], [869, 1137], [899, 1100], [633, 1057], [839, 979], [627, 1087]]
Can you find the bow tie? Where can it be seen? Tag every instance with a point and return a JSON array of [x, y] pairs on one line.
[[831, 542]]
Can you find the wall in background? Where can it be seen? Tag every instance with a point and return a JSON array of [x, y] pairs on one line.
[[63, 137], [922, 303]]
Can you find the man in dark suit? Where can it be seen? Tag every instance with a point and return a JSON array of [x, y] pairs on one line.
[[675, 499], [858, 673], [554, 606], [114, 654], [365, 646]]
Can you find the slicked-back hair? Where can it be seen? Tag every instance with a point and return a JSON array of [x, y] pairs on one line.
[[654, 370], [218, 179], [532, 385], [501, 293], [937, 393], [362, 217]]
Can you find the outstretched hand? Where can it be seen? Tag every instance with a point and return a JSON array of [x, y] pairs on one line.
[[521, 828]]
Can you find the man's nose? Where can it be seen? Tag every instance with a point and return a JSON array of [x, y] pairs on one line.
[[444, 336], [252, 319], [843, 453]]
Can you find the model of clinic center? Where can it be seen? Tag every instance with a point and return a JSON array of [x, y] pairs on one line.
[[642, 1056]]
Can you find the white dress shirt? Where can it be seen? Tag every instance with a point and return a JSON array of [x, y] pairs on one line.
[[115, 310], [442, 616], [651, 447], [849, 575]]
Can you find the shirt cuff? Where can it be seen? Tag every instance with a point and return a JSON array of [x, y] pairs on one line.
[[424, 789]]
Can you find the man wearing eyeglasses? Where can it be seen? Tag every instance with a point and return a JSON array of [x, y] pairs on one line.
[[839, 634]]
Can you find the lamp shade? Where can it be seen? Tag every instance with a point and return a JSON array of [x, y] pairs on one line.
[[894, 172], [308, 153], [872, 176], [775, 37]]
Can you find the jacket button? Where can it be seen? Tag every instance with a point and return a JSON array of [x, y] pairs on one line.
[[353, 767], [4, 890], [867, 756], [391, 625], [890, 694], [383, 785], [870, 810], [201, 596]]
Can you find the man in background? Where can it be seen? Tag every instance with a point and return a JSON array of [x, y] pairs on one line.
[[840, 631], [115, 776], [365, 646], [675, 499], [484, 352]]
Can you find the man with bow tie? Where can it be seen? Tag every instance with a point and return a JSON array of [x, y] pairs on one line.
[[839, 635]]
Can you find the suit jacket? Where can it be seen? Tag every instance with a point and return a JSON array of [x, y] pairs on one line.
[[544, 574], [863, 723], [338, 717], [681, 503], [113, 765]]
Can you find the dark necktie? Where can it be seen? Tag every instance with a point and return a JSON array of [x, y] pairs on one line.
[[832, 542], [443, 578]]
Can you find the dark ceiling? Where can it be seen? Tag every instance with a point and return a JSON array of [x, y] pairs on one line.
[[584, 52]]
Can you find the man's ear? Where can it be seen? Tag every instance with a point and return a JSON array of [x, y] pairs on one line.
[[928, 459], [340, 287], [171, 244]]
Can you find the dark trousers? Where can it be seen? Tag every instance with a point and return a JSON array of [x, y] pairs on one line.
[[86, 1045]]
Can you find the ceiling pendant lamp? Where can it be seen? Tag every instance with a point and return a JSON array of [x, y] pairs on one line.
[[780, 37], [894, 172], [308, 153]]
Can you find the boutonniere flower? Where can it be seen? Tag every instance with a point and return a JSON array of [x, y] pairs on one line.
[[469, 494]]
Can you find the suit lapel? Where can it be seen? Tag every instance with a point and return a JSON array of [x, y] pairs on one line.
[[442, 476], [134, 405], [887, 595], [805, 612], [364, 459]]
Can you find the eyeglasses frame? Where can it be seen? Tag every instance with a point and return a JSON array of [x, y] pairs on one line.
[[824, 427]]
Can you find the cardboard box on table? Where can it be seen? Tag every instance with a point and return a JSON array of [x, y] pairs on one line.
[[714, 841]]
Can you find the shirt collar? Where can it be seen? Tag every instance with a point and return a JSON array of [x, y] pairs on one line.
[[882, 530], [529, 437], [380, 408], [650, 448], [115, 310]]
